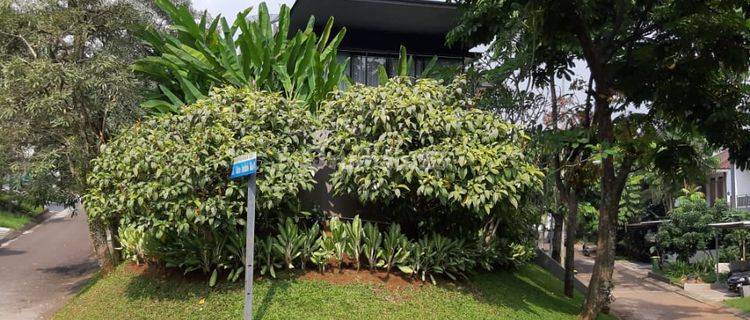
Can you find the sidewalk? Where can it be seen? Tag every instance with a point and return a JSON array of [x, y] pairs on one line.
[[639, 297]]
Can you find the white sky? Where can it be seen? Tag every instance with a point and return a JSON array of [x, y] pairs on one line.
[[229, 8]]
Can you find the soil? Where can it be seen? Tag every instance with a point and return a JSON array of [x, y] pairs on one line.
[[379, 278], [160, 272]]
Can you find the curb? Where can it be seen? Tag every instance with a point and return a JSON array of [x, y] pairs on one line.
[[34, 222]]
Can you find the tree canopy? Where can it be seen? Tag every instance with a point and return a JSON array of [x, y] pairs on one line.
[[65, 88], [682, 65]]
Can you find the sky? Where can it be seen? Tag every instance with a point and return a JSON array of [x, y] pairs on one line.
[[229, 8]]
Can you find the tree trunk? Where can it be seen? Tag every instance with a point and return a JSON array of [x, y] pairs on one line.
[[557, 232], [570, 240], [612, 184]]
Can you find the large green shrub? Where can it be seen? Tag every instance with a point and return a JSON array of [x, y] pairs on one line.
[[687, 231], [420, 147], [206, 53], [170, 174]]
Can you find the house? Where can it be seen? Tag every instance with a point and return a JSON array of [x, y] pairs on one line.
[[375, 30], [729, 183]]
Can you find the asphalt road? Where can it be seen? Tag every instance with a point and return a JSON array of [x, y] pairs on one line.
[[44, 267]]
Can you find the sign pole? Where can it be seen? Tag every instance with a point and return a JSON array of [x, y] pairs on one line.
[[249, 247], [247, 166]]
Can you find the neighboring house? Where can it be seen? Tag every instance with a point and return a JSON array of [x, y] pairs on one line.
[[375, 30], [729, 183]]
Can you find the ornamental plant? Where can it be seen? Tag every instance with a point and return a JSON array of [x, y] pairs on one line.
[[418, 144], [169, 174], [687, 230], [204, 53]]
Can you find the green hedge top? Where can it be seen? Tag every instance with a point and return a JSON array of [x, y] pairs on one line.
[[172, 172], [417, 140]]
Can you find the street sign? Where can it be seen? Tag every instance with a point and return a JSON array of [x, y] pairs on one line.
[[247, 166], [244, 165]]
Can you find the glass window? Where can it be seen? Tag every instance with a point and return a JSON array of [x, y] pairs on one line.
[[373, 64], [341, 57], [358, 69], [392, 66]]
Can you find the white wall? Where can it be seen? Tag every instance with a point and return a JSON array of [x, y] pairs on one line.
[[743, 182]]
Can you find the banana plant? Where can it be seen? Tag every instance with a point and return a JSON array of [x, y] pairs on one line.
[[372, 241], [205, 53], [354, 235]]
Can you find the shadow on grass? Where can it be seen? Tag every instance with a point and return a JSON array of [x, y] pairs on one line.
[[158, 283], [268, 297], [528, 289]]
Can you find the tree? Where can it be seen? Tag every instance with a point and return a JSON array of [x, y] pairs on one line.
[[682, 62], [65, 88]]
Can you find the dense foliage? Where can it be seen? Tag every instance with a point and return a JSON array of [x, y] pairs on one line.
[[684, 63], [65, 88], [687, 230], [169, 175], [210, 53], [165, 180], [417, 147]]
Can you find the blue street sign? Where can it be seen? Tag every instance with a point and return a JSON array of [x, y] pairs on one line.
[[247, 166], [244, 165]]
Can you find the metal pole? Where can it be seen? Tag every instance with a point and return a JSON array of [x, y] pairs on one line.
[[249, 247], [716, 238]]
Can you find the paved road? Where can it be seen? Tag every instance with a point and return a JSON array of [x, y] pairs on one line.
[[638, 297], [41, 269]]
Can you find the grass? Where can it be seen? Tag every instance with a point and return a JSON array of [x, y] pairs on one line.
[[529, 293], [740, 303], [13, 221], [15, 213]]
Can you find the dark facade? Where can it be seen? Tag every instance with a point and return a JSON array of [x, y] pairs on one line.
[[376, 29]]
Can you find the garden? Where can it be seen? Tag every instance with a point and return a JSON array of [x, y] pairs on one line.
[[445, 187], [683, 246], [421, 194]]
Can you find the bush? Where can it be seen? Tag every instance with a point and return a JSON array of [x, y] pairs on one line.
[[417, 150], [137, 245], [170, 174], [687, 231]]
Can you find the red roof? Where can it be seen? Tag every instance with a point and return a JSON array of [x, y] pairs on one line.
[[724, 160]]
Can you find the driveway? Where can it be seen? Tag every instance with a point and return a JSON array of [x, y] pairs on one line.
[[45, 266], [638, 297]]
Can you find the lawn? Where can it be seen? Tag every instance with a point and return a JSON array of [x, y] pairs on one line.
[[15, 213], [529, 293], [741, 303], [13, 221]]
